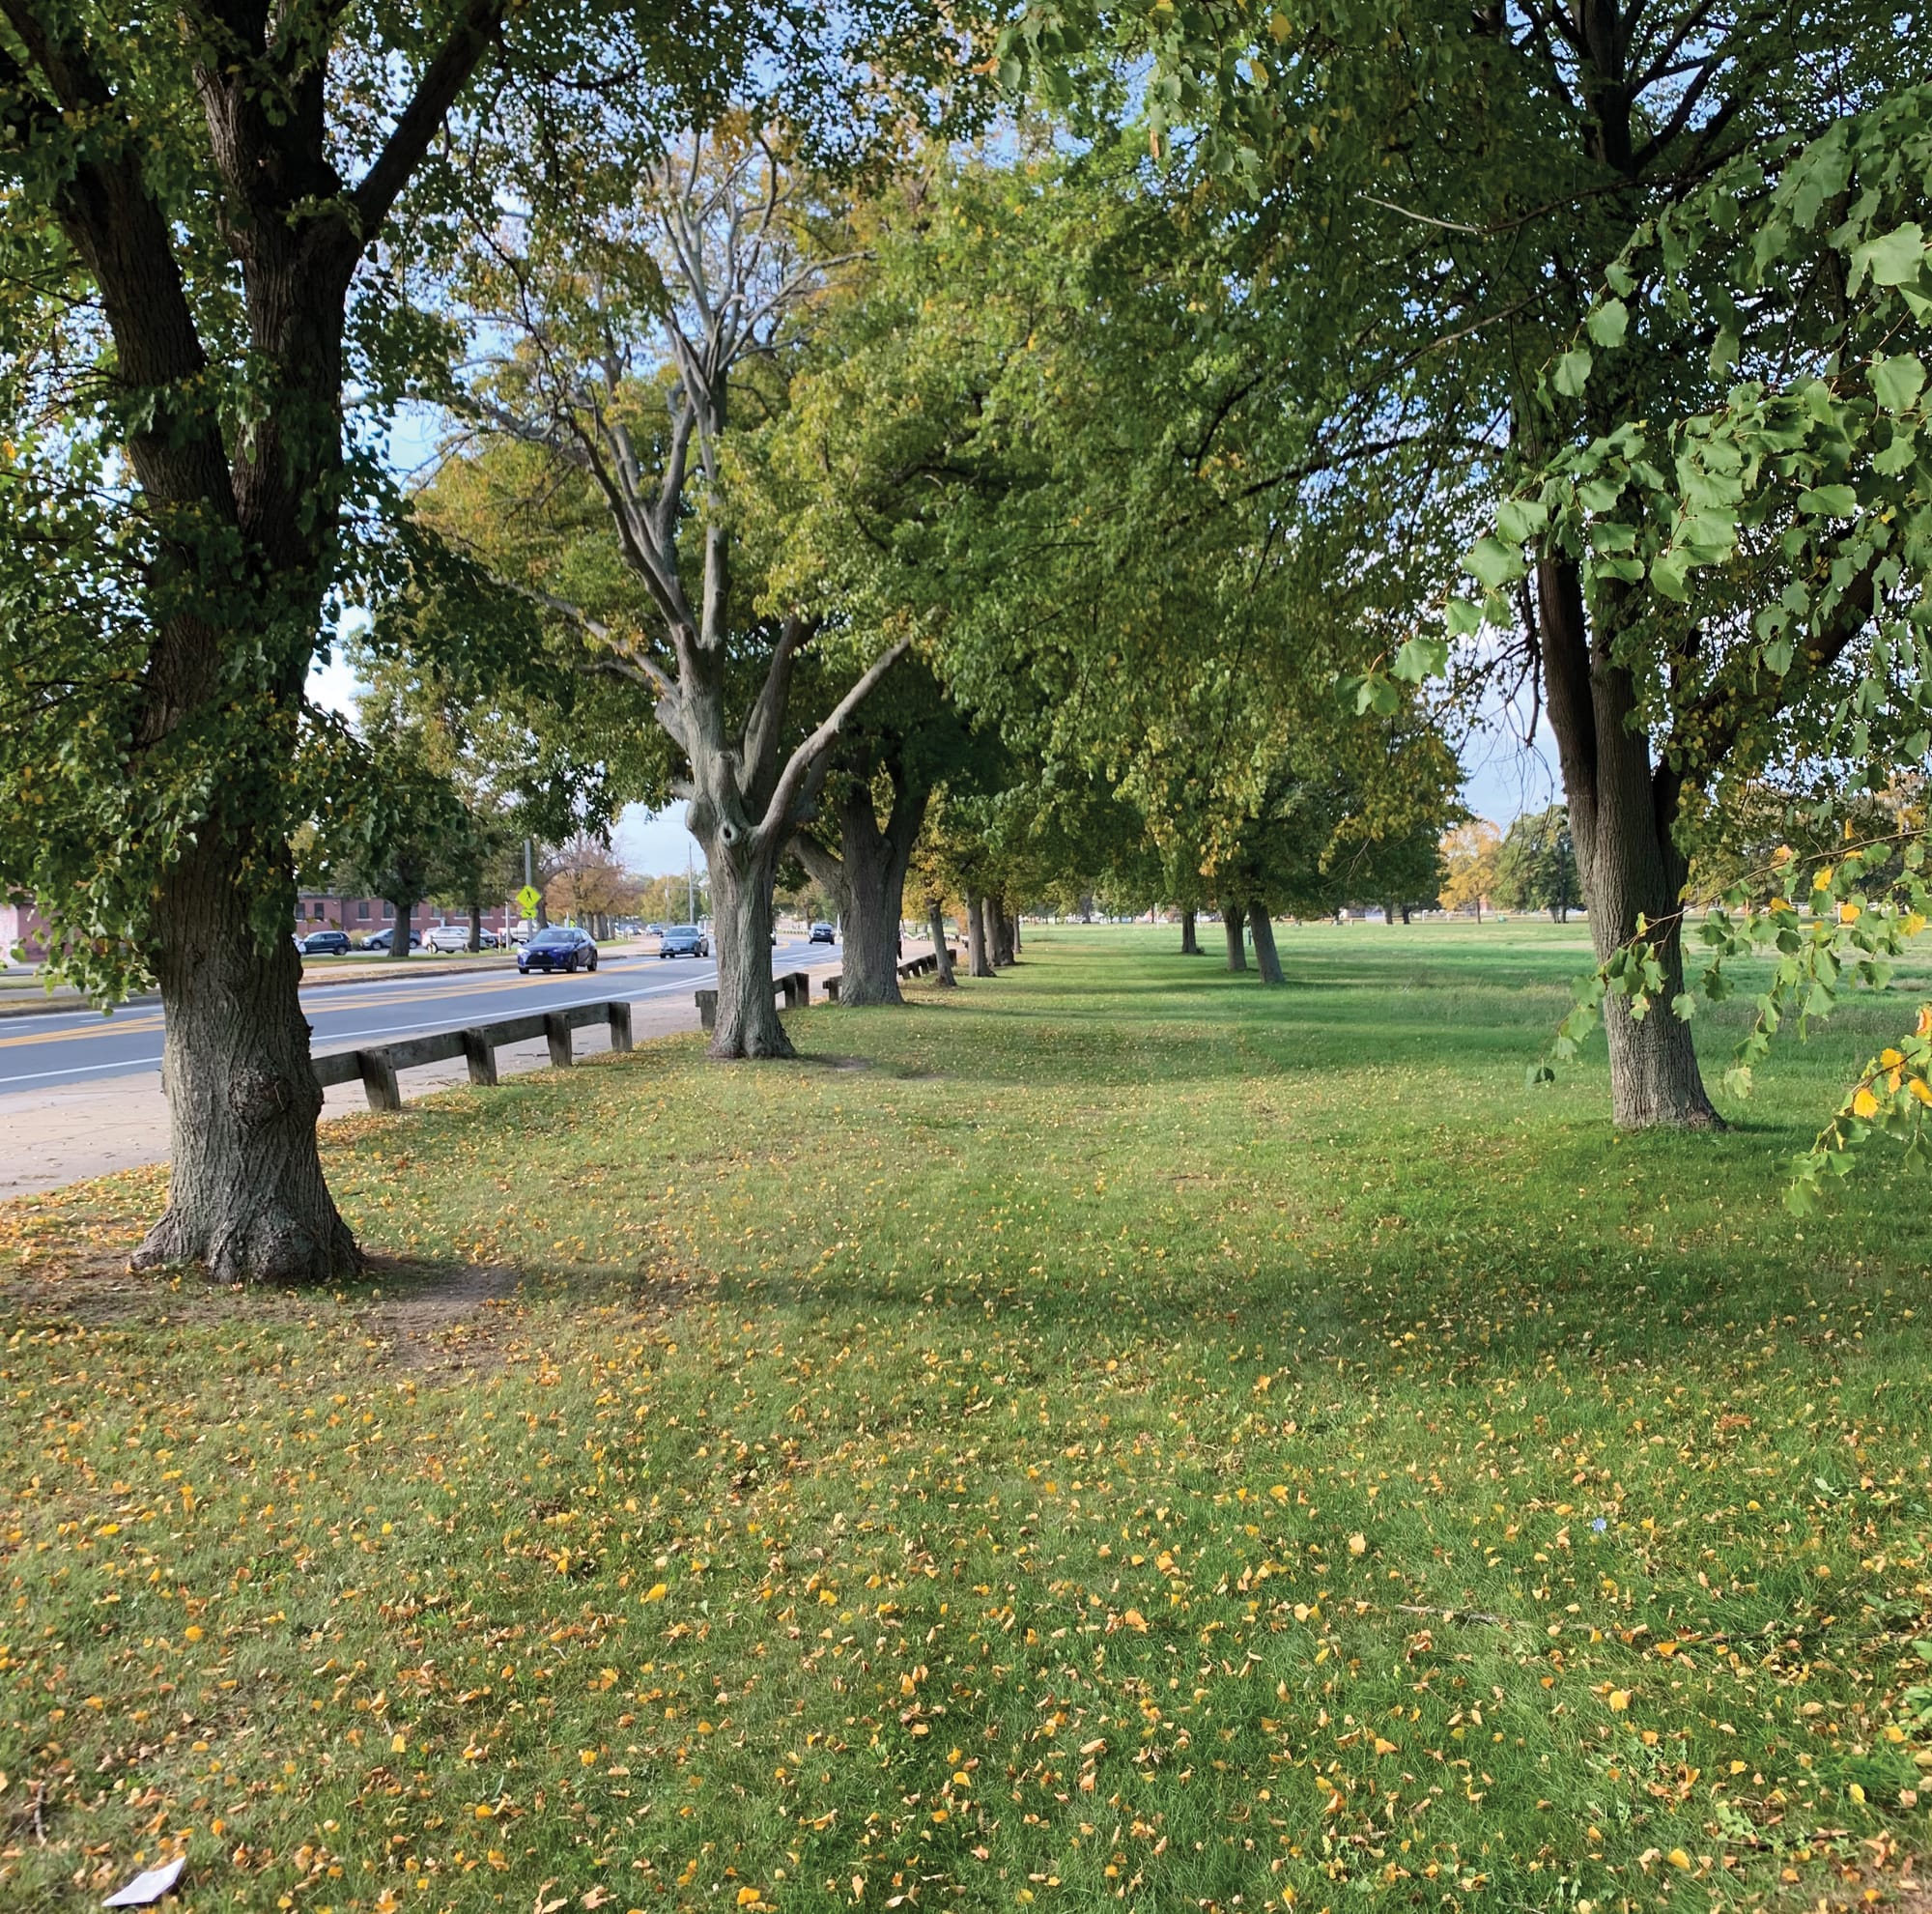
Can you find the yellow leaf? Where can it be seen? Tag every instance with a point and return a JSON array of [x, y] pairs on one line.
[[656, 1592], [1279, 26], [1358, 1545], [1619, 1699], [1857, 1794], [1135, 1619], [1921, 1090], [1925, 1020], [1890, 1058], [1849, 913], [398, 1743], [1865, 1104], [1678, 1857], [749, 1896]]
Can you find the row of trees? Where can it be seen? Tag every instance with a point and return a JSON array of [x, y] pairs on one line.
[[1076, 508]]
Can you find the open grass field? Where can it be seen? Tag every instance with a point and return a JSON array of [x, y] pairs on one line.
[[1108, 1435]]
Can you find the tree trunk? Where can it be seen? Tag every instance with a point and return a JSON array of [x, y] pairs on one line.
[[1015, 922], [1404, 913], [1000, 929], [399, 929], [245, 1190], [1622, 817], [1238, 950], [741, 939], [476, 926], [1267, 960], [874, 890], [978, 963], [936, 925], [1190, 944]]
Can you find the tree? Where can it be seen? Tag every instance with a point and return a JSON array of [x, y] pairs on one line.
[[209, 188], [216, 218], [591, 886], [623, 379], [1536, 866], [1447, 191], [1470, 860], [401, 835], [902, 744]]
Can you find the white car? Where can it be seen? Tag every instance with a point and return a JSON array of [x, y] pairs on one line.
[[454, 938]]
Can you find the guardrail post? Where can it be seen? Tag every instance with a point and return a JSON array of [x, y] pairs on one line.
[[707, 1009], [378, 1080], [556, 1034], [480, 1054], [619, 1015]]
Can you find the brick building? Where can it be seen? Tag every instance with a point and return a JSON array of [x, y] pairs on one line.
[[360, 916]]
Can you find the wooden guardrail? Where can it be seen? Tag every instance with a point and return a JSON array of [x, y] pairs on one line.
[[793, 986], [376, 1066], [912, 968]]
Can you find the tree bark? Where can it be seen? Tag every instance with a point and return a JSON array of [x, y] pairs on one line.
[[246, 1195], [1267, 959], [936, 926], [1190, 944], [475, 926], [1000, 929], [868, 878], [978, 962], [399, 929], [748, 1022], [1232, 917], [1623, 813]]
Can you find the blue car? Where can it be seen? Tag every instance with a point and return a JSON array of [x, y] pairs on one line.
[[559, 948], [684, 940]]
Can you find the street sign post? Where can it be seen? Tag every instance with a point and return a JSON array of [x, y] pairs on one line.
[[527, 900]]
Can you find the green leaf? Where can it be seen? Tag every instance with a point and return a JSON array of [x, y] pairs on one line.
[[1897, 382], [1573, 372], [1519, 520], [1493, 562], [1667, 575], [1463, 619], [1891, 260], [1835, 502], [1421, 657], [1608, 322]]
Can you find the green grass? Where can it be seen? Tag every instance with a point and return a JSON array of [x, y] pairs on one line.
[[1108, 1435]]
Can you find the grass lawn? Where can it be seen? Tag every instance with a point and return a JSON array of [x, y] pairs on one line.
[[1108, 1435]]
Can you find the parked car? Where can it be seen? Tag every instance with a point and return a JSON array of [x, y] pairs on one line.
[[654, 930], [684, 940], [821, 933], [384, 940], [456, 937], [323, 943], [559, 948]]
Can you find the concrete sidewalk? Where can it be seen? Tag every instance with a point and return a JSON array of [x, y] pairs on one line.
[[62, 1134]]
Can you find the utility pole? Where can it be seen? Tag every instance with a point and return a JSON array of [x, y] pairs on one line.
[[690, 889]]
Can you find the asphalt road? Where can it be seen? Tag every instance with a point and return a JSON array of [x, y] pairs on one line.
[[79, 1046]]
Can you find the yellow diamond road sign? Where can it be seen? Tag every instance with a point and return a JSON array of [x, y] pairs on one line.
[[528, 899]]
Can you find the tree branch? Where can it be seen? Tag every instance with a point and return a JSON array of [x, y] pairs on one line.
[[423, 119], [777, 820]]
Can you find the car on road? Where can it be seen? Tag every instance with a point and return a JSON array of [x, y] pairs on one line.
[[562, 947], [384, 940], [654, 930], [684, 940], [821, 933], [456, 937], [323, 943]]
